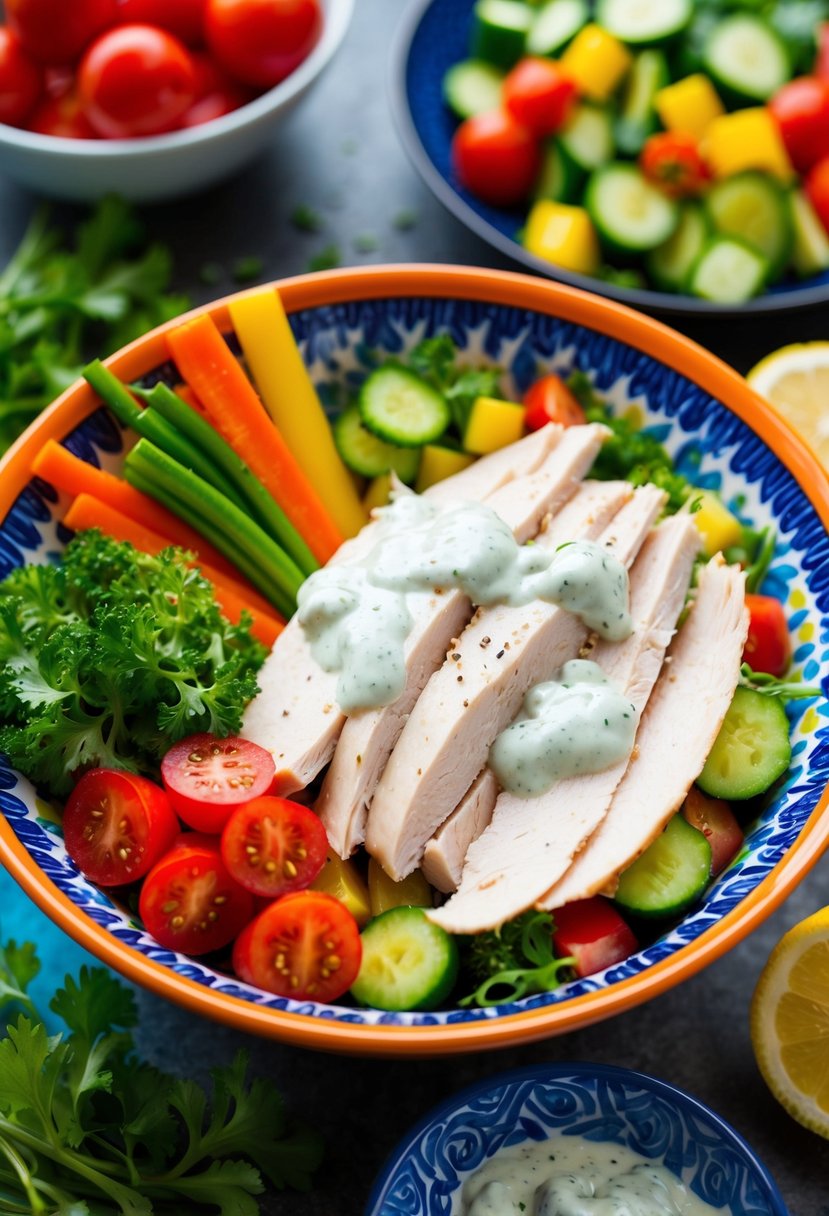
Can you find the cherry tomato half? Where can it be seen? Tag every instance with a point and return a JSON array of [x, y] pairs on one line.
[[817, 190], [190, 903], [768, 646], [136, 80], [116, 826], [20, 79], [538, 94], [216, 93], [208, 778], [672, 160], [273, 846], [58, 31], [260, 42], [550, 400], [305, 945], [184, 18], [713, 817], [496, 158], [593, 933], [801, 109]]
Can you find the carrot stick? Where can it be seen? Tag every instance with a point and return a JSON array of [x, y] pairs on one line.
[[189, 398], [89, 512], [214, 374]]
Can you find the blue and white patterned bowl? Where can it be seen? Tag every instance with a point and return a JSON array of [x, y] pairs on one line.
[[426, 1171], [717, 430]]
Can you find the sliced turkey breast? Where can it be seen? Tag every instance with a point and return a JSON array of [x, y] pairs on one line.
[[445, 853]]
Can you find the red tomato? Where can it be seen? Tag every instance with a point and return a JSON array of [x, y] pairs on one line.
[[20, 79], [57, 82], [190, 903], [260, 42], [713, 817], [817, 189], [538, 94], [306, 945], [550, 400], [672, 160], [496, 158], [593, 933], [58, 31], [768, 645], [208, 778], [136, 80], [184, 18], [821, 67], [216, 93], [273, 846], [62, 116], [116, 826], [801, 109]]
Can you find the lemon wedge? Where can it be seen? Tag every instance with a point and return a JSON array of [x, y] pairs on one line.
[[790, 1022], [795, 379]]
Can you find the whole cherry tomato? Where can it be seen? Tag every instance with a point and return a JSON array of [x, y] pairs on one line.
[[184, 18], [58, 31], [801, 109], [496, 158], [817, 189], [550, 400], [260, 42], [136, 80], [538, 94], [62, 116], [672, 160], [768, 646], [21, 79], [216, 93], [208, 778]]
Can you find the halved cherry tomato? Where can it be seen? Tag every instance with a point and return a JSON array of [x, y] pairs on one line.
[[801, 109], [593, 933], [273, 846], [817, 189], [20, 79], [216, 93], [190, 903], [768, 646], [136, 80], [496, 157], [538, 94], [672, 160], [260, 42], [184, 18], [305, 945], [550, 400], [713, 817], [62, 116], [117, 825], [208, 778], [58, 31]]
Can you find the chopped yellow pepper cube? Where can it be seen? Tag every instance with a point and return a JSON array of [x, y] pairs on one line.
[[746, 139], [563, 234], [492, 425], [689, 105], [384, 893], [437, 463], [596, 61], [343, 880], [378, 492], [717, 526]]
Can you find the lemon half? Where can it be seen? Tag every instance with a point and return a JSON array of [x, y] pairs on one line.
[[795, 379], [790, 1022]]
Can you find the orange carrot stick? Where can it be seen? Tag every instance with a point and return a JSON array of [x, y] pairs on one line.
[[216, 377], [189, 398]]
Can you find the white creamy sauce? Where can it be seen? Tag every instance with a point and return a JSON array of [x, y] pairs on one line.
[[357, 616], [578, 723], [573, 1176]]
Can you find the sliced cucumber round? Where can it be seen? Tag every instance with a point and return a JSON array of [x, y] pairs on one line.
[[669, 264], [746, 58], [560, 178], [500, 29], [556, 24], [728, 271], [630, 214], [644, 22], [587, 139], [472, 87], [367, 455], [637, 116], [670, 875], [754, 208], [401, 408], [408, 963], [752, 749]]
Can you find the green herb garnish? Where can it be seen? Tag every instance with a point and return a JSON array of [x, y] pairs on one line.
[[327, 259], [434, 359], [306, 219], [248, 269], [771, 686], [514, 961]]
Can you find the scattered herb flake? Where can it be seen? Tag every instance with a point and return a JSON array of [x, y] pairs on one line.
[[366, 243], [327, 259], [247, 269], [306, 219], [211, 273], [404, 221]]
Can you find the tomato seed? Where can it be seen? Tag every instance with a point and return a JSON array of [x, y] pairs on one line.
[[219, 900], [300, 852], [334, 962], [169, 907], [289, 869], [177, 922], [279, 961], [269, 867]]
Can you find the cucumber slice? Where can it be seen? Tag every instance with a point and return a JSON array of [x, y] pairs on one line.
[[400, 408], [754, 208], [631, 215], [587, 139], [367, 455], [752, 749], [500, 30], [555, 25], [670, 875], [810, 253], [472, 87], [644, 22], [746, 58], [560, 178], [408, 963], [669, 264], [728, 272], [637, 118]]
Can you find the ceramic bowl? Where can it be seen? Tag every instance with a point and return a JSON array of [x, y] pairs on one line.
[[426, 1171], [164, 167], [716, 428], [432, 36]]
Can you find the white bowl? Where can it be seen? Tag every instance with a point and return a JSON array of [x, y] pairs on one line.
[[166, 166]]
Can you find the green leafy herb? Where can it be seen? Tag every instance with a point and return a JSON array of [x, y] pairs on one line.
[[514, 961], [761, 551], [86, 1128], [247, 269], [771, 686], [57, 303], [327, 259], [405, 220], [435, 359], [109, 657], [211, 273], [366, 242], [306, 219]]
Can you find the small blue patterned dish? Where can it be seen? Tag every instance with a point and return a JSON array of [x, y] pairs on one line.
[[426, 1171]]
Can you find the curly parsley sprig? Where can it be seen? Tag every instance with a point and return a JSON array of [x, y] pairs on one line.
[[515, 961]]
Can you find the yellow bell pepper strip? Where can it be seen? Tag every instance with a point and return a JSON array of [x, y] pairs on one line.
[[746, 139], [596, 61], [689, 105], [384, 893], [564, 235], [290, 398], [378, 493], [717, 526], [343, 880], [437, 463], [492, 424]]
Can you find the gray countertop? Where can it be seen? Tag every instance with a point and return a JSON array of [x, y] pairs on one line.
[[338, 153]]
